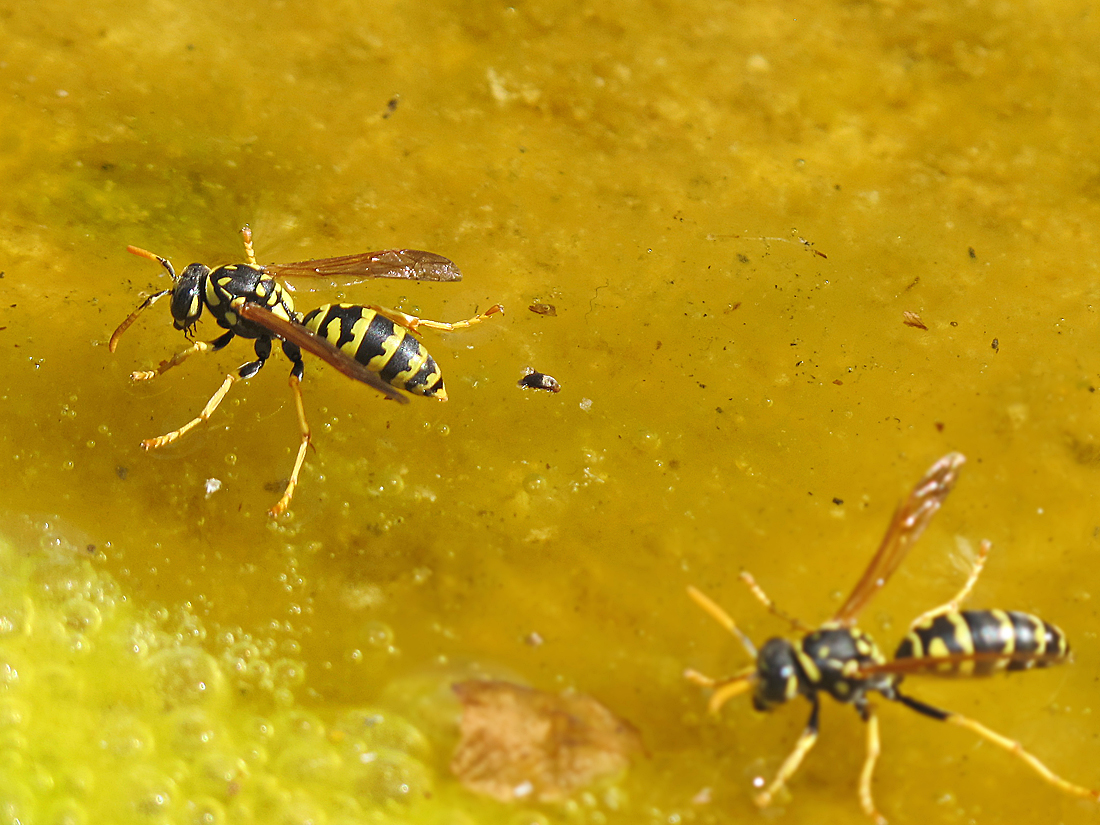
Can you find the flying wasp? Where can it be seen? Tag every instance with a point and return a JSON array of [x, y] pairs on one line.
[[841, 660], [371, 344]]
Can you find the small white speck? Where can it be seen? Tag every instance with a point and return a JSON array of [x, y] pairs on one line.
[[586, 404]]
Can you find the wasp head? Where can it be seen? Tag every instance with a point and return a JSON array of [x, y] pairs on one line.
[[779, 676], [187, 295]]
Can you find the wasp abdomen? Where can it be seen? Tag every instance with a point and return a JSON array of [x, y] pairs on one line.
[[379, 344], [981, 642]]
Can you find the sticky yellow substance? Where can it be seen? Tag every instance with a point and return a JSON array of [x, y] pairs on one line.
[[731, 208]]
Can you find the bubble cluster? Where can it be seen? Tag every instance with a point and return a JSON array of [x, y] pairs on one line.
[[112, 714]]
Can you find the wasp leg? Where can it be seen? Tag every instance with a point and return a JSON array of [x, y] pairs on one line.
[[249, 252], [762, 597], [413, 324], [295, 355], [805, 741], [181, 356], [964, 592], [263, 351], [873, 750], [1010, 745]]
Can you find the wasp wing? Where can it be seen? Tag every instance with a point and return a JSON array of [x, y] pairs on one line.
[[905, 528], [406, 264], [964, 664], [321, 347]]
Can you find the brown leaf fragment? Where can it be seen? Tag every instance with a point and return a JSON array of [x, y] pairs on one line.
[[520, 743], [911, 319], [544, 309]]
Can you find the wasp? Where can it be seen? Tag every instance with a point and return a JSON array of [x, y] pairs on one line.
[[371, 344], [844, 662]]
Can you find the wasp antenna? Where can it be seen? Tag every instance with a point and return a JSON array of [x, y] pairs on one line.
[[125, 325], [144, 253], [724, 689], [723, 618], [733, 686]]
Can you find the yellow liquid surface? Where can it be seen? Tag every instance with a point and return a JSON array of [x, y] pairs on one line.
[[665, 175]]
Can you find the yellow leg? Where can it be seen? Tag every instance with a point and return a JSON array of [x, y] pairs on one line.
[[960, 597], [790, 765], [413, 324], [762, 597], [1016, 749], [207, 411], [282, 504], [174, 361], [873, 750], [249, 252]]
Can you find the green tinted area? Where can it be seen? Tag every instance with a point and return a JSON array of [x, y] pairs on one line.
[[730, 206]]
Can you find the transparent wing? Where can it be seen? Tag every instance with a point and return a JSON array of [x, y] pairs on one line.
[[906, 527], [962, 664], [407, 264], [321, 347]]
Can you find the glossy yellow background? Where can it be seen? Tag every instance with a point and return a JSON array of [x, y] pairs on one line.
[[727, 402]]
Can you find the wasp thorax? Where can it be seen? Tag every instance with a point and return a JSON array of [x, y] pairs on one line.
[[187, 296], [777, 674]]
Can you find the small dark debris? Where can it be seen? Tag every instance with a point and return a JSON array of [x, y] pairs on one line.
[[996, 345], [391, 106], [544, 309], [939, 426], [837, 501], [838, 382], [533, 380], [973, 254], [122, 472]]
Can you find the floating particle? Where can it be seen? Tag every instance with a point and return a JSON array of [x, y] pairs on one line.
[[212, 486], [911, 319], [520, 743], [544, 309], [534, 380]]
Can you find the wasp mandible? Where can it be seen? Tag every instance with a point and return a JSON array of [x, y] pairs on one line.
[[841, 660], [371, 344]]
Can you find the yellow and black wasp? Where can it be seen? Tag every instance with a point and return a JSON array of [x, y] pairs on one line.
[[371, 344], [841, 660]]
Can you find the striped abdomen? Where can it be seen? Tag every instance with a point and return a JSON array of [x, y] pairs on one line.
[[379, 344], [980, 642]]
